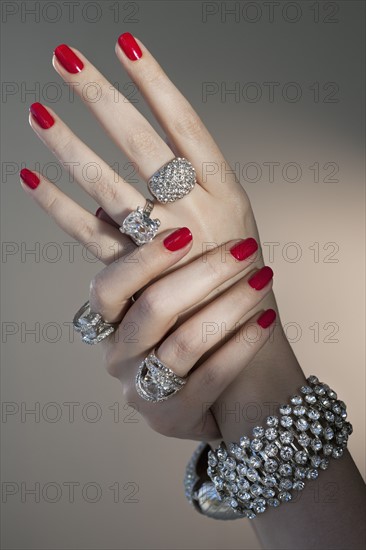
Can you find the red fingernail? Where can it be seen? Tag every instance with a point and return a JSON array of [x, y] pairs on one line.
[[30, 178], [98, 211], [130, 46], [178, 239], [68, 59], [244, 249], [260, 279], [42, 116], [267, 318]]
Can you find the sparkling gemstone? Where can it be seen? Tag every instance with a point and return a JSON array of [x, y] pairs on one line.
[[285, 484], [319, 389], [270, 465], [284, 496], [244, 441], [337, 452], [286, 453], [296, 400], [229, 475], [315, 461], [256, 445], [332, 394], [271, 434], [230, 463], [221, 453], [269, 481], [311, 398], [256, 489], [300, 472], [324, 464], [244, 495], [243, 483], [312, 473], [285, 409], [286, 437], [328, 449], [212, 460], [272, 421], [258, 432], [302, 424], [250, 514], [301, 457], [252, 474], [233, 503], [329, 416], [316, 428], [304, 440], [325, 402], [299, 410], [316, 444], [328, 433], [306, 389], [313, 414], [271, 449], [285, 470], [313, 379], [286, 421], [273, 502], [140, 227], [259, 505], [298, 485], [336, 408], [268, 492], [255, 462], [241, 469]]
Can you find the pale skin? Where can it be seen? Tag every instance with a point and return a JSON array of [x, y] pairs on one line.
[[259, 367]]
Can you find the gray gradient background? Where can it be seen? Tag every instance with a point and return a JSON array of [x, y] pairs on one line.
[[308, 291]]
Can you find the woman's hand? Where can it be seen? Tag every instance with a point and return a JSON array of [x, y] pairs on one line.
[[216, 210], [151, 323]]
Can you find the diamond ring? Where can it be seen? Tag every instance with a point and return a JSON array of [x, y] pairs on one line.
[[139, 226], [91, 326], [172, 181], [156, 382]]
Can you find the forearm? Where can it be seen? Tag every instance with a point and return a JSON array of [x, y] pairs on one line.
[[323, 513]]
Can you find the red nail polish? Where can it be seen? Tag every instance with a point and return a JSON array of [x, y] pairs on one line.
[[178, 239], [267, 318], [98, 211], [30, 178], [130, 46], [260, 279], [68, 59], [42, 116], [244, 249]]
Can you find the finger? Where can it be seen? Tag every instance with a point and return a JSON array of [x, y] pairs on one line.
[[102, 215], [182, 349], [94, 175], [112, 288], [212, 377], [180, 122], [156, 311], [101, 239], [120, 119]]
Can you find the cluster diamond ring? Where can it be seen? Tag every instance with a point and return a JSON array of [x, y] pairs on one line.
[[156, 382]]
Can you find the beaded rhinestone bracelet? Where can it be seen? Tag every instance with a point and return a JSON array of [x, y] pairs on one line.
[[289, 450]]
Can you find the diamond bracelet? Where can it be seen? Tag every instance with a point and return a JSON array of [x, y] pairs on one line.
[[285, 453]]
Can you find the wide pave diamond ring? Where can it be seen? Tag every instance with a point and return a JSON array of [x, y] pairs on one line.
[[172, 181]]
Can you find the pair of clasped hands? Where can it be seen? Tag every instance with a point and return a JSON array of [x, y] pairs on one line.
[[200, 284]]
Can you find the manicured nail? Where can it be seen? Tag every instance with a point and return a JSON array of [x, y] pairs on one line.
[[267, 318], [42, 116], [98, 211], [130, 46], [178, 239], [260, 279], [68, 59], [244, 249], [30, 178]]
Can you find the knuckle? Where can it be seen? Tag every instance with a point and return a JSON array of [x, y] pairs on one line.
[[142, 142], [85, 231], [184, 346], [98, 290], [149, 303], [189, 125], [107, 190]]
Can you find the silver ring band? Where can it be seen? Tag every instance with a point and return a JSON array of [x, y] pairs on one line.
[[156, 382], [92, 327]]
